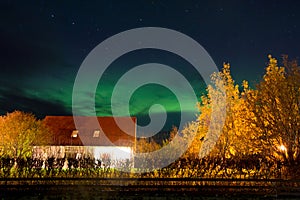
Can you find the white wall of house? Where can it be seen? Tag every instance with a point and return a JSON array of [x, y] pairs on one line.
[[114, 154]]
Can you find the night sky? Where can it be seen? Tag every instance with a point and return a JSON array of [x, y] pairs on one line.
[[44, 43]]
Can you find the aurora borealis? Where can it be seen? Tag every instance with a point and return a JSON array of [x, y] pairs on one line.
[[43, 45]]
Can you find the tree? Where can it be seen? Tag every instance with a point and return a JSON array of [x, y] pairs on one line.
[[275, 118], [2, 152], [195, 131], [227, 135], [144, 146], [19, 132], [206, 129]]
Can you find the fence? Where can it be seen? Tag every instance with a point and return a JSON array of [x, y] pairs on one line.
[[144, 186]]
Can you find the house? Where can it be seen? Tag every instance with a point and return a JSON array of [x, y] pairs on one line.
[[101, 138]]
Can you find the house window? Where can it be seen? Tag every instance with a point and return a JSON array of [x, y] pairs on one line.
[[75, 133], [96, 133]]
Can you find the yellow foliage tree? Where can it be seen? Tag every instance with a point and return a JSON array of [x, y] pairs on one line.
[[146, 145], [195, 131], [20, 132], [233, 140], [229, 135], [275, 118]]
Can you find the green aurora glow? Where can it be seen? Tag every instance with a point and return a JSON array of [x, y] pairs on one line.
[[44, 43]]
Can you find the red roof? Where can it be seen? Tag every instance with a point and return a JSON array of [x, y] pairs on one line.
[[111, 131]]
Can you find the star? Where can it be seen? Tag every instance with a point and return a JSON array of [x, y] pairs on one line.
[[52, 15]]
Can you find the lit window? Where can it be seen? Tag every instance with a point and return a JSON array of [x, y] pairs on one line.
[[74, 133], [96, 133]]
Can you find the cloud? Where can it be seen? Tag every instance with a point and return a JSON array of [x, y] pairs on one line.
[[14, 99]]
